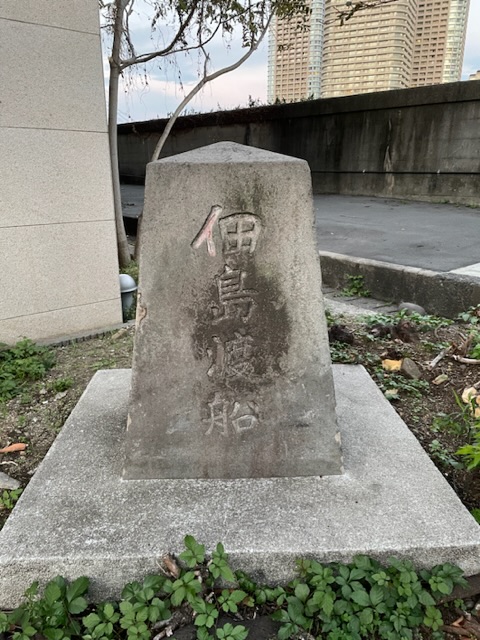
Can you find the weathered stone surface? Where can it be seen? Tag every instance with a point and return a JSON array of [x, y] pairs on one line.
[[6, 482], [410, 369], [231, 371]]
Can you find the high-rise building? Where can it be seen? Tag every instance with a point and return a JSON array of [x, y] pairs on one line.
[[295, 56], [398, 44], [440, 41], [372, 51]]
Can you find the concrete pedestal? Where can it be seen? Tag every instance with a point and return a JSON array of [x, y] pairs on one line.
[[78, 517]]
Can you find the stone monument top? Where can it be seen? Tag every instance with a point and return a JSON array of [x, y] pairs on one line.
[[231, 369]]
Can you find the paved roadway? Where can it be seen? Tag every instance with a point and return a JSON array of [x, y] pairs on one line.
[[440, 237]]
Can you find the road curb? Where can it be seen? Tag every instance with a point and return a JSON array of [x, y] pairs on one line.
[[440, 293]]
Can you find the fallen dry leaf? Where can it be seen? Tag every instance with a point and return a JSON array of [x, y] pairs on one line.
[[392, 365], [441, 379], [18, 446], [391, 394], [171, 566], [468, 394]]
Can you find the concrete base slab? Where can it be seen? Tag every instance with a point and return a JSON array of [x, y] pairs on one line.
[[77, 517]]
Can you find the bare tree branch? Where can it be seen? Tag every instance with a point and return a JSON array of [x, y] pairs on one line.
[[146, 57], [204, 80]]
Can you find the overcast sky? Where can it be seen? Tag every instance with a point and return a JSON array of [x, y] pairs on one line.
[[164, 91]]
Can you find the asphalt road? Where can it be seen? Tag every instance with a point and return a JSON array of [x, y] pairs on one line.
[[440, 237]]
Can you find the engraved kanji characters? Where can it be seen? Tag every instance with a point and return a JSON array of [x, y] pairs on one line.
[[241, 417], [239, 232], [232, 352], [244, 421], [238, 355], [218, 416], [206, 232], [235, 301], [231, 358]]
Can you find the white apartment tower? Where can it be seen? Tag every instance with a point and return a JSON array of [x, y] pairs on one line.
[[295, 56]]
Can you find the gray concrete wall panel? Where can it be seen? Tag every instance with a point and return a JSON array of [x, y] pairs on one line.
[[58, 259], [65, 93], [56, 324], [59, 166], [421, 143], [76, 15], [51, 274]]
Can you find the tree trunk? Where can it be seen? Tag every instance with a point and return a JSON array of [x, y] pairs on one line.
[[122, 244]]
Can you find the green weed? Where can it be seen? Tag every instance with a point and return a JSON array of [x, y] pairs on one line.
[[460, 423], [471, 451], [131, 270], [355, 287], [61, 384], [20, 365], [394, 384], [470, 316], [343, 353], [362, 599], [8, 498], [421, 323], [440, 453]]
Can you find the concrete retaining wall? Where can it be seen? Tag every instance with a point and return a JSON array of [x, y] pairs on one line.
[[442, 294], [58, 257], [419, 143]]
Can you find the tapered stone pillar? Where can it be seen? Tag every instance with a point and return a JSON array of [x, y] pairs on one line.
[[231, 370]]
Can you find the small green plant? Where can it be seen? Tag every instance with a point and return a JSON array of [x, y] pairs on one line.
[[393, 384], [474, 351], [104, 363], [476, 514], [460, 423], [422, 323], [440, 453], [21, 364], [61, 384], [343, 353], [53, 614], [464, 424], [131, 269], [471, 451], [362, 599], [470, 316], [330, 318], [9, 497], [355, 287]]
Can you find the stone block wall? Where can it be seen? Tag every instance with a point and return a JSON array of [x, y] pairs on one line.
[[58, 259]]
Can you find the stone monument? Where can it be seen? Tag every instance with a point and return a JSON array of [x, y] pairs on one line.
[[231, 371]]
